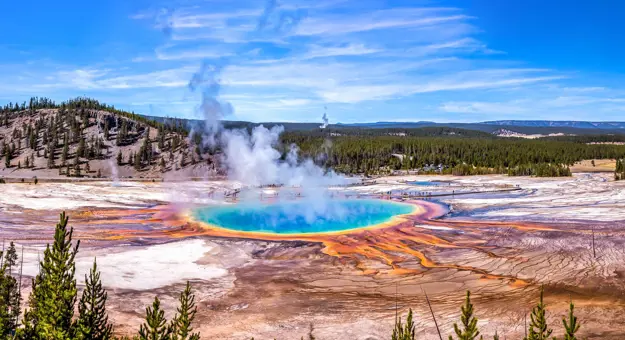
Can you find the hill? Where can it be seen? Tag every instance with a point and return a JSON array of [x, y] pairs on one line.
[[84, 138]]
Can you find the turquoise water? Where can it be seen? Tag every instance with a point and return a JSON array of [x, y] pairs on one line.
[[302, 217], [427, 183]]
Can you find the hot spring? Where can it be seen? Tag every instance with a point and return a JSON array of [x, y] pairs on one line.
[[302, 217]]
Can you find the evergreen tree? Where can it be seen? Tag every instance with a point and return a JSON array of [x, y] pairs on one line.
[[572, 326], [54, 292], [469, 322], [106, 129], [181, 324], [65, 152], [619, 172], [9, 293], [162, 164], [119, 158], [50, 155], [92, 323], [7, 157], [80, 151], [137, 162], [406, 331], [538, 329], [155, 326]]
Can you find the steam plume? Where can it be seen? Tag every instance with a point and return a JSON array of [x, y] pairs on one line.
[[325, 118], [213, 110], [274, 20], [252, 158], [164, 20]]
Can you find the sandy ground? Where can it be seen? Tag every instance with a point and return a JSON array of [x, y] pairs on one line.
[[503, 238]]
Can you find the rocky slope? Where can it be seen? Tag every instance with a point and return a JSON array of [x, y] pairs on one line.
[[82, 138]]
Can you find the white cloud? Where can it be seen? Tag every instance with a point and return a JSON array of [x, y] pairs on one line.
[[548, 105], [94, 79], [192, 19], [333, 51], [356, 94], [194, 53], [484, 107], [342, 51], [337, 26]]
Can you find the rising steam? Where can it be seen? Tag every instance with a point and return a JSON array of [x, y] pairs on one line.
[[253, 158], [325, 118], [212, 108]]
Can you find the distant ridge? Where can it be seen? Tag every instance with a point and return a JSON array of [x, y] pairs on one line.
[[530, 127], [556, 123]]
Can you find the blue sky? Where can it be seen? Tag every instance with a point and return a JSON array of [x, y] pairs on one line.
[[464, 61]]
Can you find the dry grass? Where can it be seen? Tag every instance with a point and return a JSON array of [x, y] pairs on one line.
[[601, 165]]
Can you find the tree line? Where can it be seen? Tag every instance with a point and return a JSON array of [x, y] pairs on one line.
[[86, 103], [463, 156], [49, 312]]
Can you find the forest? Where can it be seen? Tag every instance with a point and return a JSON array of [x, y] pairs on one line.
[[447, 151], [50, 308], [62, 140]]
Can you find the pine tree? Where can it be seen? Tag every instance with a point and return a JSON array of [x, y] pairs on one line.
[[572, 326], [119, 158], [10, 297], [469, 322], [538, 329], [7, 157], [50, 155], [106, 129], [181, 324], [80, 151], [137, 162], [404, 332], [54, 291], [65, 152], [616, 170], [92, 323], [155, 326]]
